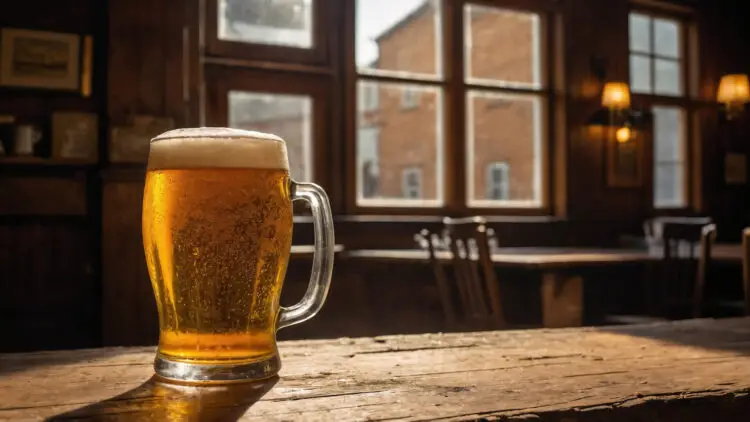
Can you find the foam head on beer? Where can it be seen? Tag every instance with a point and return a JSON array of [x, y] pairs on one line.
[[217, 148]]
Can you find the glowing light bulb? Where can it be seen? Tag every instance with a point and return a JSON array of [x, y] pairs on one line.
[[623, 134]]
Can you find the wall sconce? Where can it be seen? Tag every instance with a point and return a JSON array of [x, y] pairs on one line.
[[623, 134], [616, 96], [734, 93]]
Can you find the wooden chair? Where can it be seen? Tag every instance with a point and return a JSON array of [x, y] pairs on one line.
[[686, 252], [473, 299]]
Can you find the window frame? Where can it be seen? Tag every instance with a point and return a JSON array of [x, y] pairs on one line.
[[319, 53], [220, 81], [455, 88], [687, 102]]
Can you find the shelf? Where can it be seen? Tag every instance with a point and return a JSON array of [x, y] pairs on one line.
[[41, 161]]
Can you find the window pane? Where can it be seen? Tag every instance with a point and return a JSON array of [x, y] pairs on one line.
[[640, 33], [288, 116], [502, 46], [504, 128], [669, 157], [667, 38], [276, 22], [669, 182], [668, 81], [640, 74], [394, 142], [401, 36]]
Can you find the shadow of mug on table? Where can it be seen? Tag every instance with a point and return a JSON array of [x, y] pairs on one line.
[[155, 400]]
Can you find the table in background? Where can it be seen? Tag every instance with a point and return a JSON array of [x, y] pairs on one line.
[[682, 371], [561, 288]]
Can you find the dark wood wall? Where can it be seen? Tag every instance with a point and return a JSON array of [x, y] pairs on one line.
[[76, 276], [49, 214]]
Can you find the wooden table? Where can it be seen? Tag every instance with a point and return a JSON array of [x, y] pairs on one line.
[[552, 257], [561, 288], [689, 371]]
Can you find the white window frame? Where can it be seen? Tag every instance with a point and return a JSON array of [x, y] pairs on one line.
[[687, 69], [407, 191], [652, 56], [491, 184]]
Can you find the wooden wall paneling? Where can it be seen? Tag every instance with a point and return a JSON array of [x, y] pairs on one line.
[[129, 314], [50, 292], [595, 29], [21, 195]]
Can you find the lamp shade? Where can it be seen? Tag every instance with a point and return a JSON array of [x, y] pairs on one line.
[[734, 89], [616, 95]]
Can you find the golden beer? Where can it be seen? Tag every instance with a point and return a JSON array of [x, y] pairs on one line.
[[217, 232]]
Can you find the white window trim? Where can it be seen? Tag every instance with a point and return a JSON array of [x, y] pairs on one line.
[[406, 175]]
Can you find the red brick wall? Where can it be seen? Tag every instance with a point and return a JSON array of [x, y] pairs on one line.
[[503, 129]]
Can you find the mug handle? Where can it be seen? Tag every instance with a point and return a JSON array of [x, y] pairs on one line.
[[322, 268]]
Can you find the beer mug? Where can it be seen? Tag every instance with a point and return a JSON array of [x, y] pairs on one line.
[[217, 233]]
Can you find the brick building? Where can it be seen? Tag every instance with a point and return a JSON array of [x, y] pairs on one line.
[[398, 156]]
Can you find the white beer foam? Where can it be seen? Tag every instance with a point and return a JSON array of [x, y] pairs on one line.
[[217, 148]]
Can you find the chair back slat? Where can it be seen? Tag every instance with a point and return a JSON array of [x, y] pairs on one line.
[[472, 262], [687, 257], [427, 241]]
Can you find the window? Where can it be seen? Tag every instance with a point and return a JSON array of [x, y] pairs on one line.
[[274, 22], [658, 76], [399, 52], [369, 97], [497, 181], [288, 116], [409, 98], [411, 183], [369, 174], [655, 55], [669, 157], [503, 103], [505, 112]]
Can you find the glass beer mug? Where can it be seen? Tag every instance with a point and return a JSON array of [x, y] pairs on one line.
[[217, 233]]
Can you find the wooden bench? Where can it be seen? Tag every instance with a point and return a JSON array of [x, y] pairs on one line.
[[686, 371]]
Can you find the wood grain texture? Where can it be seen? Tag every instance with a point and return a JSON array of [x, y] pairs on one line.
[[687, 371], [43, 195]]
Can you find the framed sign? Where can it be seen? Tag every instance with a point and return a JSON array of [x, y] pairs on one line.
[[735, 169], [75, 136], [39, 59]]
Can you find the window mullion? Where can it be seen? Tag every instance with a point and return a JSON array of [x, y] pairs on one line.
[[455, 167]]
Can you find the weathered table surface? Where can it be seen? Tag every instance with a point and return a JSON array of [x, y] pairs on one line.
[[693, 370], [551, 257]]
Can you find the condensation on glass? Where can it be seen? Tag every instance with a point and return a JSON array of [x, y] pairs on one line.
[[656, 60], [399, 145], [670, 155], [399, 37], [288, 116], [504, 153], [286, 23], [502, 47]]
